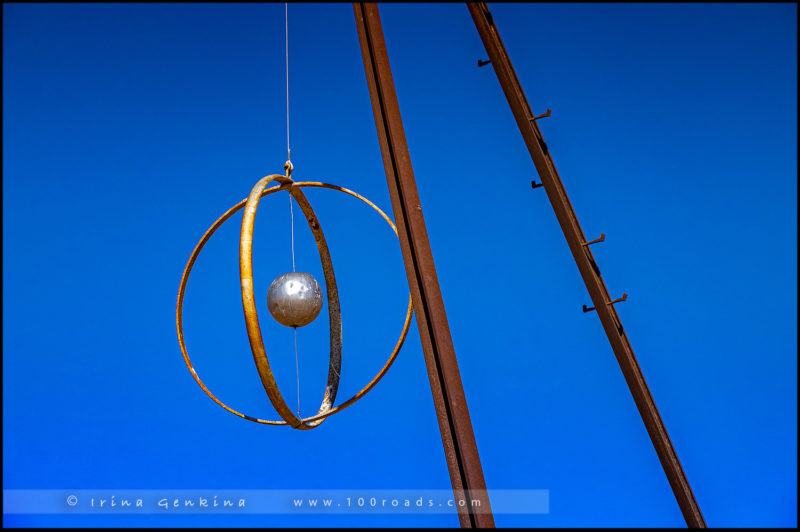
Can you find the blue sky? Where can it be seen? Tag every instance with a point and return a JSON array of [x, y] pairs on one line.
[[129, 128]]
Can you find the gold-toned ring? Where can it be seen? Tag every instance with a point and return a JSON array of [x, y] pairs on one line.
[[251, 315], [293, 188]]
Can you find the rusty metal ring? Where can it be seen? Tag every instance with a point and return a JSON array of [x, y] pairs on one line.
[[251, 315], [287, 184]]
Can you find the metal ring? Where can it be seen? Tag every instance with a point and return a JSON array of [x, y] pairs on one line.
[[287, 184], [251, 315]]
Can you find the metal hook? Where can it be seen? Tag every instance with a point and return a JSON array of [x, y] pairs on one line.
[[619, 300], [545, 115], [484, 63], [596, 240], [534, 184]]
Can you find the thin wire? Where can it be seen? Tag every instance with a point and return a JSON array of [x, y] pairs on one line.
[[291, 207], [288, 149], [297, 366], [296, 357], [291, 214]]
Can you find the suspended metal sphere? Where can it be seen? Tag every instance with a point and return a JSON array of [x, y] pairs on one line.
[[294, 299], [250, 206]]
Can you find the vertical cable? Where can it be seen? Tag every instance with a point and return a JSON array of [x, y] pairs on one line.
[[288, 149], [297, 367], [291, 214], [286, 32], [291, 207]]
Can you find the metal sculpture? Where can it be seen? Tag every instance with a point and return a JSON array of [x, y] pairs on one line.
[[307, 305], [298, 304]]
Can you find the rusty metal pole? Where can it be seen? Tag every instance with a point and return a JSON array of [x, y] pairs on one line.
[[587, 266], [461, 451]]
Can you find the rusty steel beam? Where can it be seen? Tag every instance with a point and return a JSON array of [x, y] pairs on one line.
[[603, 304], [461, 451]]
